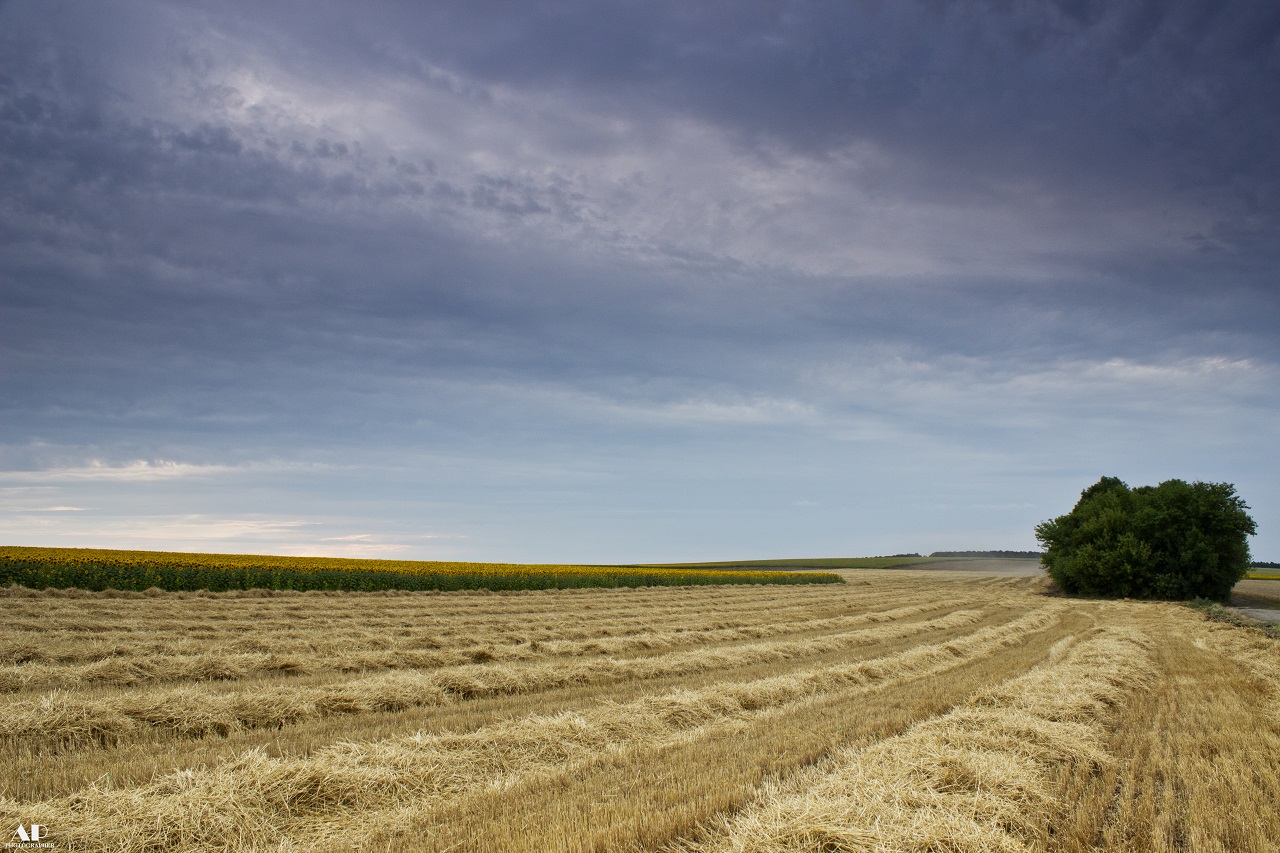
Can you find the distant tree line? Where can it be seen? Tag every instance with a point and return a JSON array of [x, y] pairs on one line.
[[998, 555], [1262, 564]]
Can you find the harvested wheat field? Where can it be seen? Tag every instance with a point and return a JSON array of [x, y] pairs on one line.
[[903, 710]]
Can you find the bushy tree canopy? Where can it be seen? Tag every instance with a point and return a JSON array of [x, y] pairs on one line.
[[1176, 540]]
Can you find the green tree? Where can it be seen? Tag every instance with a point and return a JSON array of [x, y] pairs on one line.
[[1176, 540]]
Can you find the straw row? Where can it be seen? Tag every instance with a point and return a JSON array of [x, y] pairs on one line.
[[255, 799], [142, 664], [974, 779], [63, 718], [93, 630]]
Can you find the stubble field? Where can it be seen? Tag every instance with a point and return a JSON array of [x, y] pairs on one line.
[[904, 710]]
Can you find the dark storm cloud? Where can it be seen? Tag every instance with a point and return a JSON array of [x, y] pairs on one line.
[[1139, 108], [602, 239], [1178, 91], [986, 73]]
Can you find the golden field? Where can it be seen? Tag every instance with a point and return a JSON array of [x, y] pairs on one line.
[[902, 710]]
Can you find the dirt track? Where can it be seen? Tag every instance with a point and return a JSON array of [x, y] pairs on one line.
[[1257, 599], [1256, 593], [1019, 568]]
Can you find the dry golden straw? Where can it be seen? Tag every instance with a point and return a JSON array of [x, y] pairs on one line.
[[903, 710]]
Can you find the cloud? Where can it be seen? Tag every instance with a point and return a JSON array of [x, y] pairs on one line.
[[141, 470], [210, 533], [157, 530], [518, 160], [138, 471], [1197, 370], [497, 259], [1201, 383], [654, 405]]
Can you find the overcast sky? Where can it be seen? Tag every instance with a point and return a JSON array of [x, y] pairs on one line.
[[630, 281]]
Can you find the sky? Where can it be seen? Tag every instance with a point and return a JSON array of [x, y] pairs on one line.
[[621, 282]]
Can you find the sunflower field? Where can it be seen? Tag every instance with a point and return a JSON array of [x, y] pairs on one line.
[[99, 569]]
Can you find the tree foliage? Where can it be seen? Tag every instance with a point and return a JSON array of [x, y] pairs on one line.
[[1176, 540]]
